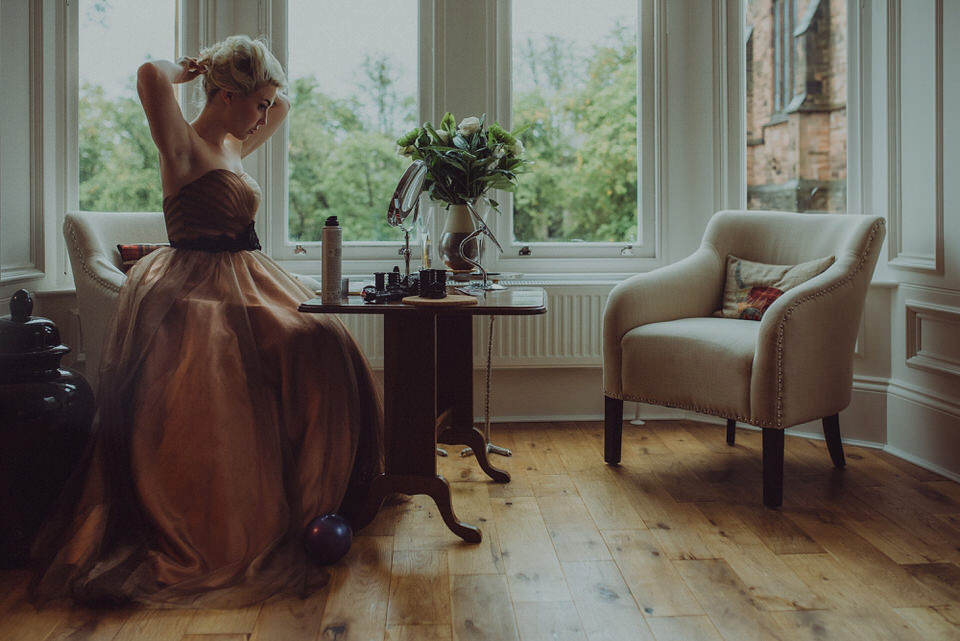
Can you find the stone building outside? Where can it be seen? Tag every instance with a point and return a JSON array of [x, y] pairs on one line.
[[796, 116]]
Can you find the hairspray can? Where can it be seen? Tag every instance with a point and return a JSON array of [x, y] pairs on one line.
[[332, 241]]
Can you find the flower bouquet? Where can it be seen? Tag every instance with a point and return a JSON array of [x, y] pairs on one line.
[[464, 161]]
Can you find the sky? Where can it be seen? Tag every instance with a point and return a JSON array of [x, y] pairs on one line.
[[332, 49], [113, 43]]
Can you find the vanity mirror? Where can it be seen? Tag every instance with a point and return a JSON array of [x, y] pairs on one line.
[[406, 201]]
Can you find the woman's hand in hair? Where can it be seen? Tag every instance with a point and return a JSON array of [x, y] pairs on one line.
[[189, 69]]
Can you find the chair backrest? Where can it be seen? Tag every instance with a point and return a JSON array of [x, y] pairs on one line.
[[92, 239], [786, 238]]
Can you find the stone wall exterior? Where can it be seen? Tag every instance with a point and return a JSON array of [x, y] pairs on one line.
[[796, 151]]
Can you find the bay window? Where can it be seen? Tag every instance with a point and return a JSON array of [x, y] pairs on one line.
[[362, 74]]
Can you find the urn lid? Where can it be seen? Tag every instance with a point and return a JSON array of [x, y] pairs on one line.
[[28, 342]]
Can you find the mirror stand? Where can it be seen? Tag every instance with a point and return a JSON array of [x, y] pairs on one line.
[[405, 252]]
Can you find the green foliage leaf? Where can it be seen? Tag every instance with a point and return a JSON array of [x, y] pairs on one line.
[[581, 136]]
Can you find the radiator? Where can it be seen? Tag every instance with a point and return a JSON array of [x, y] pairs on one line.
[[568, 335]]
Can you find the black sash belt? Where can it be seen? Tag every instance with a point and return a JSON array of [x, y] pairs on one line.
[[247, 241]]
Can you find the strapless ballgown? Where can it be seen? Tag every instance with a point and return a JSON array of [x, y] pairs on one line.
[[228, 420]]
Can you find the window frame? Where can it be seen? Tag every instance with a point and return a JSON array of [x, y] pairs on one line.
[[784, 23], [199, 22], [358, 256], [23, 253], [579, 258], [436, 51]]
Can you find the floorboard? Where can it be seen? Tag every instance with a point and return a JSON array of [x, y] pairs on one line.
[[671, 545]]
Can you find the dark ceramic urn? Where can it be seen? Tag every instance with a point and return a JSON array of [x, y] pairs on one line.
[[45, 417]]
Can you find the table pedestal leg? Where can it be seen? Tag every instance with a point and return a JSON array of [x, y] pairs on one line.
[[436, 487], [473, 438], [455, 389], [410, 413]]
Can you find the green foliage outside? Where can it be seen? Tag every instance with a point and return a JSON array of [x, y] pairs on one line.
[[339, 166], [582, 184], [119, 164]]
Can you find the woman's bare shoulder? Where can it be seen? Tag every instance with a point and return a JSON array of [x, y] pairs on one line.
[[201, 159]]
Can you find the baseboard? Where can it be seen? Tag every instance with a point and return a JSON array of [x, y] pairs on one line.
[[563, 395], [934, 446], [920, 462], [863, 422]]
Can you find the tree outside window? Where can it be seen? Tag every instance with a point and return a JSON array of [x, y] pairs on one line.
[[119, 169], [353, 90], [575, 83]]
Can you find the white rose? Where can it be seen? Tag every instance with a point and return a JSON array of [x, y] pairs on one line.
[[517, 148], [468, 126]]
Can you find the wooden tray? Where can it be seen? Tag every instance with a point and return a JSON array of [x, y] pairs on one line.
[[449, 301]]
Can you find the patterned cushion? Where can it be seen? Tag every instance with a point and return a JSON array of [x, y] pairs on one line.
[[130, 254], [752, 287]]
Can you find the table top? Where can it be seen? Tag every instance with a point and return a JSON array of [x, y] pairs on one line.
[[512, 301]]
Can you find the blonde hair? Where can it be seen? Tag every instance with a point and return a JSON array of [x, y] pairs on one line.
[[241, 65]]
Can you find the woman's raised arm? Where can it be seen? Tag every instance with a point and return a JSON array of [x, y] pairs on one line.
[[155, 80], [275, 116]]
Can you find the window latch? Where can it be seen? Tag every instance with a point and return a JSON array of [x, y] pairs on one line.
[[525, 251]]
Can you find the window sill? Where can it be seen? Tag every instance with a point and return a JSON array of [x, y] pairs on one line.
[[521, 279]]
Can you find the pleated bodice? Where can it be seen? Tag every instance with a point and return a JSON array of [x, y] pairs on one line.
[[219, 203]]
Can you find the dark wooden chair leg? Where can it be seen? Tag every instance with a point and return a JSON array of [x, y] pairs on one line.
[[612, 429], [831, 432], [731, 431], [772, 467]]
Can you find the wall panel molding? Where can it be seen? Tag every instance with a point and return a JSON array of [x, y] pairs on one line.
[[915, 134], [931, 337]]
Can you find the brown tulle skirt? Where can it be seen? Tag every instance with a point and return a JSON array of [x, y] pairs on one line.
[[227, 421]]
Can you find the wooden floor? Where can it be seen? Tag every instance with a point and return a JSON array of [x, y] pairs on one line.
[[673, 545]]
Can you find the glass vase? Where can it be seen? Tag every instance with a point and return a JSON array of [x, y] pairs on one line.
[[453, 251]]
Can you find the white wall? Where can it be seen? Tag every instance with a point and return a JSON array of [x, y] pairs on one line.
[[915, 51]]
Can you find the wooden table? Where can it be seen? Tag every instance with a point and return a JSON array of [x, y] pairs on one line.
[[428, 392]]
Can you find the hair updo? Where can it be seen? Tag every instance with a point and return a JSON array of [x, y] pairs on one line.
[[241, 65]]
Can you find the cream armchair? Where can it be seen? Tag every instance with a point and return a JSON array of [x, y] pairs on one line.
[[664, 344], [92, 239]]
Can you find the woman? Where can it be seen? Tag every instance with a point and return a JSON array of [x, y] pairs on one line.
[[228, 419]]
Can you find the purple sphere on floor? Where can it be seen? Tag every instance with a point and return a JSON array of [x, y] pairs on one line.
[[327, 538]]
